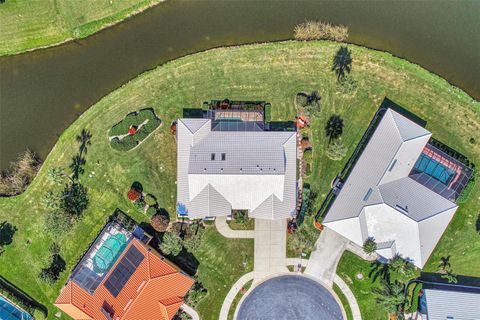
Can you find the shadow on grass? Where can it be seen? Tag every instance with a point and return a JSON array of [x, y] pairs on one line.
[[10, 290]]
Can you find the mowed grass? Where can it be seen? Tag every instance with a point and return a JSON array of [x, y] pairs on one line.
[[32, 24], [270, 72]]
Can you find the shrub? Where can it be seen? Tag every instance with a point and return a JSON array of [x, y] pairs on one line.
[[151, 211], [119, 129], [268, 112], [301, 99], [347, 85], [150, 200], [57, 223], [303, 240], [193, 242], [145, 114], [240, 216], [336, 150], [370, 246], [196, 294], [171, 244], [159, 222], [316, 30], [141, 134], [133, 194], [151, 125]]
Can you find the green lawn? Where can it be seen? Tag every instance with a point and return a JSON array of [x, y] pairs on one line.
[[270, 72], [28, 25]]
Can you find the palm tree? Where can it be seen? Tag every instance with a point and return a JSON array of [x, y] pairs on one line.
[[445, 264], [334, 128], [84, 139], [342, 62], [391, 296], [397, 263]]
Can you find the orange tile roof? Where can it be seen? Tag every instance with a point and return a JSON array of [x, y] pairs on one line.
[[155, 291]]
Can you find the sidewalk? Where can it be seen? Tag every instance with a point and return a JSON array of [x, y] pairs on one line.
[[191, 312], [224, 229], [227, 303], [350, 297], [324, 259]]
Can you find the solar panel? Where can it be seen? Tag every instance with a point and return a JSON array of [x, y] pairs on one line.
[[123, 271]]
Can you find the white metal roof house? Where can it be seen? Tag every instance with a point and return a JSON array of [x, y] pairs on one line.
[[445, 303], [225, 165], [401, 192]]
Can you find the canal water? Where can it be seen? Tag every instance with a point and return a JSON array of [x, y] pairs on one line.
[[42, 92]]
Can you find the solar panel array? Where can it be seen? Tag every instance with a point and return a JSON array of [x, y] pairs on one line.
[[123, 271]]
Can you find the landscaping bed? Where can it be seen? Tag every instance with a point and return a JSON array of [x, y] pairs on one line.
[[271, 72], [133, 129]]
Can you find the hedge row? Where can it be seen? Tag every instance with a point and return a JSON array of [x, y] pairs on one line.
[[21, 300], [131, 141]]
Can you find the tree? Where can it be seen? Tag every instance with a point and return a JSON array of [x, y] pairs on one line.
[[57, 223], [195, 294], [334, 127], [74, 199], [84, 138], [391, 296], [445, 264], [171, 244], [159, 222], [342, 62], [336, 150], [7, 230], [370, 246], [397, 263], [381, 270]]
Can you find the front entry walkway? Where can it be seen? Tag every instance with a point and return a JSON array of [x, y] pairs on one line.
[[324, 259], [270, 248]]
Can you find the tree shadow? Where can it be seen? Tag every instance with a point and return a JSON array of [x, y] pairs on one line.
[[7, 231], [186, 261], [137, 186], [379, 270]]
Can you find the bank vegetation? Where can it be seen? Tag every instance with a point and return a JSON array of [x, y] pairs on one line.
[[319, 30]]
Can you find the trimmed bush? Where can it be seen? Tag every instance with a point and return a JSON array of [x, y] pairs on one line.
[[159, 222], [171, 244], [151, 211], [150, 200], [141, 134], [119, 129], [151, 125]]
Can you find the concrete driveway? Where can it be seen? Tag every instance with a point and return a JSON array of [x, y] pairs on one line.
[[290, 297]]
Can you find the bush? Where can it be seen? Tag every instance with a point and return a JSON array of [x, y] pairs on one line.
[[145, 114], [303, 240], [127, 143], [150, 200], [119, 129], [301, 99], [151, 125], [336, 150], [317, 30], [196, 294], [51, 274], [141, 134], [151, 211], [370, 246], [347, 84], [159, 222], [193, 242], [240, 216], [268, 112], [171, 244]]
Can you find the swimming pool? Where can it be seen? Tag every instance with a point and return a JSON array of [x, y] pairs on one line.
[[9, 311], [434, 169], [108, 253]]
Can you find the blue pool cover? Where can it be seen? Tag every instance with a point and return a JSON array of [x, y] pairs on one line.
[[434, 169], [10, 312]]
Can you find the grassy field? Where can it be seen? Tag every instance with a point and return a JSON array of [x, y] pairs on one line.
[[27, 25], [270, 72]]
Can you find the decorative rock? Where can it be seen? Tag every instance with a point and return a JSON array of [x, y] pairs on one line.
[[58, 314], [359, 276]]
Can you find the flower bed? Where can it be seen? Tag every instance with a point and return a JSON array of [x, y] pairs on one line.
[[133, 129]]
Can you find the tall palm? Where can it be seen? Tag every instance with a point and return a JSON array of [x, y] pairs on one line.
[[84, 139], [334, 128], [445, 264], [391, 296], [342, 62]]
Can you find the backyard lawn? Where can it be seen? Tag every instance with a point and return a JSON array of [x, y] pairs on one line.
[[28, 25], [269, 72]]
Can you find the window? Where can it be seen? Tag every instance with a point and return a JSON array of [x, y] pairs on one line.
[[212, 156], [224, 156], [392, 165], [369, 192]]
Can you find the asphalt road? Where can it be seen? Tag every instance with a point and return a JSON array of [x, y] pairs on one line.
[[290, 298]]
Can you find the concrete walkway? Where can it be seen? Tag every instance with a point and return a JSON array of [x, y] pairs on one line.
[[190, 311], [270, 248], [350, 297], [224, 229], [324, 259], [227, 303]]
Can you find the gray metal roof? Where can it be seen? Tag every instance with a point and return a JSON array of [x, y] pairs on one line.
[[413, 199], [452, 305], [257, 165]]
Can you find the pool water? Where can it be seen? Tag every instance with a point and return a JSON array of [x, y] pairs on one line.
[[434, 169], [108, 253], [9, 311]]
